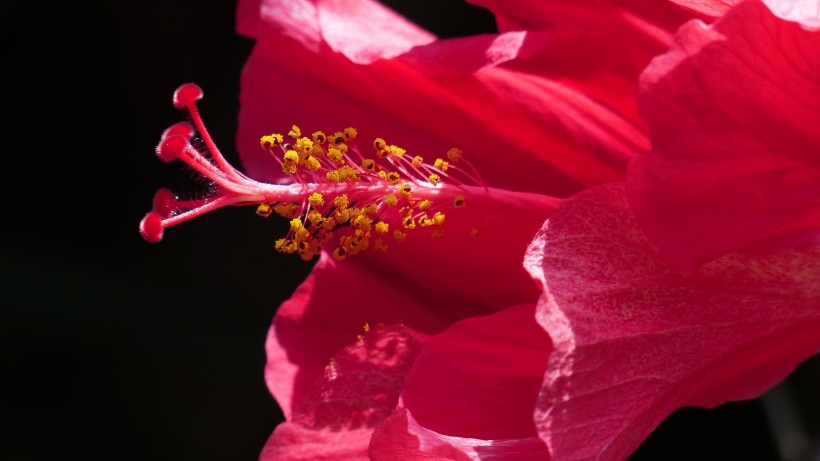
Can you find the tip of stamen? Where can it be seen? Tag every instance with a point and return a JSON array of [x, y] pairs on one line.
[[186, 95], [164, 202], [183, 129], [151, 227], [170, 147]]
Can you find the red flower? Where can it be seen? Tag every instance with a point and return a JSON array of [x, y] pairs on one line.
[[702, 287], [547, 106], [436, 349]]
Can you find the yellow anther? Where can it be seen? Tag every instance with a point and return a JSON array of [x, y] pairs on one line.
[[474, 232], [437, 234], [291, 156], [270, 141], [316, 200], [399, 236], [434, 179], [318, 150], [438, 218], [264, 210], [459, 202], [333, 176], [294, 132], [295, 224], [396, 150], [312, 164], [289, 168], [366, 327], [441, 164], [424, 205], [455, 154], [379, 245], [349, 173], [369, 165], [382, 227], [339, 254], [408, 222], [350, 133], [390, 200], [315, 218], [383, 153], [379, 144], [405, 190], [393, 178], [337, 138], [301, 235], [362, 222], [417, 161], [370, 210], [304, 146], [319, 137], [287, 210], [341, 201], [336, 155], [341, 216]]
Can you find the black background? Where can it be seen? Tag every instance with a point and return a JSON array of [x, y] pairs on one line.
[[113, 348]]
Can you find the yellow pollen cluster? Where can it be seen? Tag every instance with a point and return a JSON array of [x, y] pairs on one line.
[[357, 202]]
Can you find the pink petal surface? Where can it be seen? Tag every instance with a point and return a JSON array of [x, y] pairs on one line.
[[636, 339], [424, 283], [522, 105], [733, 110], [402, 438], [359, 387], [804, 12], [480, 377]]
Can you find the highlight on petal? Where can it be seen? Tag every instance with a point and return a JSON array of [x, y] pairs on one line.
[[316, 23], [733, 110], [636, 339], [535, 104], [358, 388], [402, 438]]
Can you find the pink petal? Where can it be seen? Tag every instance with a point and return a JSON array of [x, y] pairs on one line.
[[523, 105], [426, 284], [635, 339], [733, 117], [480, 377], [358, 388], [401, 438], [805, 12]]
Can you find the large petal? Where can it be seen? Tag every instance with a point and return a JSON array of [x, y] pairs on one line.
[[733, 111], [358, 388], [480, 377], [636, 339], [471, 393], [424, 283], [524, 106]]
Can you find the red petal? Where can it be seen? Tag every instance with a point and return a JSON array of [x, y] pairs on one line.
[[424, 283], [357, 389], [733, 117], [401, 438], [523, 105], [480, 377], [635, 339]]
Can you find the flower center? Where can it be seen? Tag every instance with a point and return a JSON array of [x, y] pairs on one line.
[[335, 192]]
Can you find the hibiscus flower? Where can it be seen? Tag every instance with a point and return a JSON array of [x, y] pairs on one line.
[[435, 349], [695, 282]]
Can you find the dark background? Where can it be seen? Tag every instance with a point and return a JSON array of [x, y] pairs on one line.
[[113, 348]]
